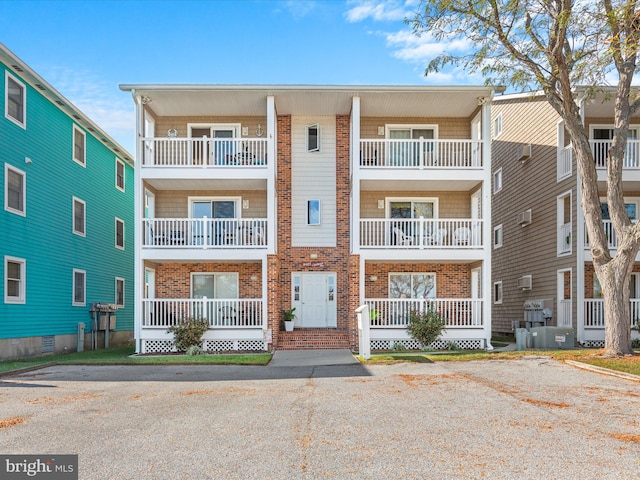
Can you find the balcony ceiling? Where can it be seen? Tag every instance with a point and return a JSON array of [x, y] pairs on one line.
[[248, 100]]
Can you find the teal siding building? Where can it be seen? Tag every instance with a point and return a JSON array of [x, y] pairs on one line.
[[67, 221]]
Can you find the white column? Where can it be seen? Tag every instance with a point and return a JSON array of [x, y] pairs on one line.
[[487, 287], [355, 175], [272, 218], [138, 202], [580, 280]]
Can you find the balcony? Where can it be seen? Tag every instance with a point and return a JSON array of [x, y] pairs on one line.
[[418, 234], [205, 152], [420, 154], [394, 313], [594, 312], [219, 313], [205, 233], [600, 150]]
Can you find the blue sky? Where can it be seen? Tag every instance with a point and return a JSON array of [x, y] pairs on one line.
[[85, 49]]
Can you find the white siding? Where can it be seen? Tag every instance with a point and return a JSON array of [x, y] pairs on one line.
[[313, 176]]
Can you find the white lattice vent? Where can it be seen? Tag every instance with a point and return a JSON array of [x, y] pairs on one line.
[[594, 343], [411, 344], [158, 346], [251, 345], [219, 345]]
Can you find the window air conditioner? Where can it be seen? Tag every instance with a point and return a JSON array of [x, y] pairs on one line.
[[525, 152], [524, 218], [525, 282]]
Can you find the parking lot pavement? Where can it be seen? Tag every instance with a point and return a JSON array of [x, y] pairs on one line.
[[522, 419]]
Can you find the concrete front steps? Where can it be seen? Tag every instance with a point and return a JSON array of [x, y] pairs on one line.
[[313, 338]]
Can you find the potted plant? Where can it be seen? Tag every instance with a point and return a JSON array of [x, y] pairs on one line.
[[289, 319]]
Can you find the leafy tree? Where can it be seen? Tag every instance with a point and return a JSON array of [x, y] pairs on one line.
[[568, 49]]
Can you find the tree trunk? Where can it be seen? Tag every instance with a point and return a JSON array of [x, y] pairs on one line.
[[615, 291]]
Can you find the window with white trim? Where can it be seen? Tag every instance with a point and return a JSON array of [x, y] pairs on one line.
[[79, 288], [14, 190], [497, 126], [412, 285], [15, 270], [119, 297], [313, 138], [119, 233], [497, 236], [119, 174], [497, 293], [79, 217], [564, 224], [313, 212], [497, 180], [79, 146], [15, 100]]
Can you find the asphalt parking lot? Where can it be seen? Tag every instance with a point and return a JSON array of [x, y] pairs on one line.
[[523, 419]]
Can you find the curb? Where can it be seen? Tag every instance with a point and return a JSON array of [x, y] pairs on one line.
[[18, 371], [604, 371]]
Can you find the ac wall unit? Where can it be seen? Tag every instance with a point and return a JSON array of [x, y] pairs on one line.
[[524, 218], [525, 282], [525, 152]]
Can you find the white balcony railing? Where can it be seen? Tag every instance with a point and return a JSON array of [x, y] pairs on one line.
[[204, 152], [394, 313], [609, 231], [600, 150], [420, 233], [564, 238], [205, 233], [565, 162], [219, 313], [420, 153], [594, 312]]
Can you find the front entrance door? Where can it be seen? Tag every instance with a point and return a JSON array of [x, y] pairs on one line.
[[314, 297]]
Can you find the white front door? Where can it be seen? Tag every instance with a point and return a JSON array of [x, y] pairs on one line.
[[314, 298]]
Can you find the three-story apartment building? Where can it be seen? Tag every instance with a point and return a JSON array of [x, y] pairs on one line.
[[541, 254], [66, 226], [252, 200]]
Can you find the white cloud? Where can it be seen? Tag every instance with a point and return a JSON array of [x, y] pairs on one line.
[[108, 107], [412, 48], [299, 8], [379, 10]]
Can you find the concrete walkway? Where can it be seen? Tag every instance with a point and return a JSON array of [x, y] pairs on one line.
[[311, 358]]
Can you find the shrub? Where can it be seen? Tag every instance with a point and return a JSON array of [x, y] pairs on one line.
[[195, 350], [188, 333], [425, 326]]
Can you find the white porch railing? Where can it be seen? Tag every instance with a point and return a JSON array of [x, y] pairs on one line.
[[392, 312], [609, 231], [420, 233], [565, 161], [205, 233], [420, 153], [594, 312], [564, 238], [600, 150], [204, 152], [220, 313]]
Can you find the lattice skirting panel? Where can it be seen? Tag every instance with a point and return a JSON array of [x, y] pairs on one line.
[[411, 344], [593, 343], [166, 346]]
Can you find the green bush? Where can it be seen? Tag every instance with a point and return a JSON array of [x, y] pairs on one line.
[[426, 326], [188, 333]]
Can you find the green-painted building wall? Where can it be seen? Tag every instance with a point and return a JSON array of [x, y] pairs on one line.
[[44, 237]]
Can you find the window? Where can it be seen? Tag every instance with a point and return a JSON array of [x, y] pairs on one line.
[[79, 146], [313, 212], [564, 224], [119, 292], [497, 126], [119, 174], [119, 233], [497, 292], [79, 288], [14, 190], [15, 278], [79, 217], [15, 102], [412, 285], [313, 138], [497, 236], [497, 181]]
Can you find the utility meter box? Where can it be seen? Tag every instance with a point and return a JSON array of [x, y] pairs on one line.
[[102, 325], [552, 338]]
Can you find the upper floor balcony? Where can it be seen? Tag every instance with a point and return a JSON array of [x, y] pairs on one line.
[[600, 150], [205, 152]]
